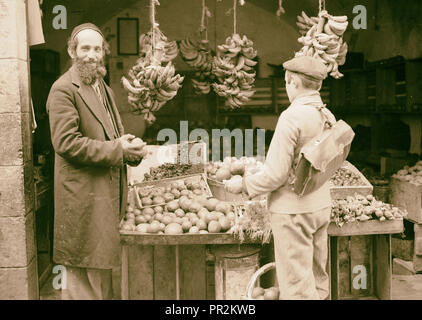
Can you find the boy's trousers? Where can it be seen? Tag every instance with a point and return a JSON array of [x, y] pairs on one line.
[[301, 253]]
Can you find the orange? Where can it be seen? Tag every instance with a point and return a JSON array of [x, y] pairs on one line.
[[225, 223], [214, 227], [167, 220], [148, 211], [194, 229], [186, 225], [201, 224], [140, 219], [173, 228]]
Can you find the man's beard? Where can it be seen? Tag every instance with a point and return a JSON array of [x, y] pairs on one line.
[[89, 73]]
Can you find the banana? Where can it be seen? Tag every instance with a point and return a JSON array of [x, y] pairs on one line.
[[312, 31], [322, 38], [315, 20], [250, 62], [301, 19], [167, 95], [341, 59], [318, 46], [237, 101], [307, 19], [247, 93], [333, 50], [328, 58], [302, 26], [240, 63], [327, 29], [343, 49], [338, 18], [337, 27]]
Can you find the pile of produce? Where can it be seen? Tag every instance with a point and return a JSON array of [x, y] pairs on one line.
[[361, 208], [233, 67], [162, 194], [187, 214], [232, 170], [410, 174], [253, 220], [345, 177], [152, 80], [272, 293], [198, 55], [322, 37], [171, 170]]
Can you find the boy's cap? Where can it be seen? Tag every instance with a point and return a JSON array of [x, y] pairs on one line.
[[84, 26], [308, 66]]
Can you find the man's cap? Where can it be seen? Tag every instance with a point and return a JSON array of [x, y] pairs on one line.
[[310, 67], [85, 26]]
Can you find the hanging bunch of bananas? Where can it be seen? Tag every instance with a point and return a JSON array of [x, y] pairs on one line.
[[169, 49], [233, 67], [322, 37], [152, 80], [198, 55]]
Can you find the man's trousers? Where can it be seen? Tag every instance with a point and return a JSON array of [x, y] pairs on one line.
[[87, 284]]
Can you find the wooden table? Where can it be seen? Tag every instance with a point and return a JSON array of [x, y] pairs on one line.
[[174, 266], [360, 259]]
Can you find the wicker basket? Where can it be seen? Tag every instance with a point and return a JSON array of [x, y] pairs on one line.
[[256, 276], [220, 193]]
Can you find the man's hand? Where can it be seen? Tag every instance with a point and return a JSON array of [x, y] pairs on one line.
[[132, 148]]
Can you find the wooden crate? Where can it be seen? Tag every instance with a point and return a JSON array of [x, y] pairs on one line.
[[407, 195], [359, 249], [417, 250], [342, 192], [200, 178], [168, 267]]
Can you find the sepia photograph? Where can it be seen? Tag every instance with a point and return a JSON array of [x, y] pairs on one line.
[[223, 151]]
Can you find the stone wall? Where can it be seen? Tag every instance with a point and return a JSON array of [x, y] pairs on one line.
[[18, 263]]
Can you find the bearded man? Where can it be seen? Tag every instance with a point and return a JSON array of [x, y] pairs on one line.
[[90, 182]]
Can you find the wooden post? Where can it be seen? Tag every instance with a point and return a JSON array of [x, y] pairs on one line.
[[383, 266], [125, 271]]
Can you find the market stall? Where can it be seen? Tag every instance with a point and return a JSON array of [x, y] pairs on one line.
[[188, 231], [167, 240]]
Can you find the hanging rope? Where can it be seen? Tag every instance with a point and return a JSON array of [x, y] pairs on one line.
[[321, 5], [152, 21], [280, 8], [241, 2], [204, 19], [234, 16]]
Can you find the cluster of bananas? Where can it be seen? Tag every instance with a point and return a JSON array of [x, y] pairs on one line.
[[198, 55], [150, 86], [322, 37], [233, 67], [164, 50], [152, 80]]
